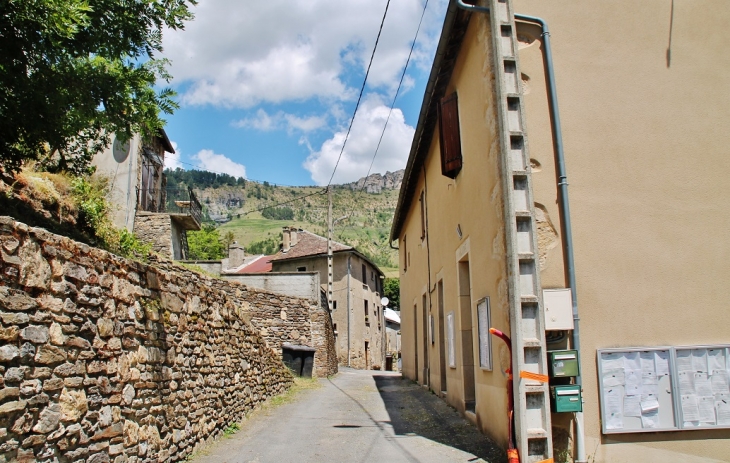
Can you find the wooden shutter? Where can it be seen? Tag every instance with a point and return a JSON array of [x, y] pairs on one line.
[[449, 136]]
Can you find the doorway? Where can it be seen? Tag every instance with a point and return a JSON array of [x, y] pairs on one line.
[[442, 336], [467, 342], [426, 336], [415, 340], [367, 359]]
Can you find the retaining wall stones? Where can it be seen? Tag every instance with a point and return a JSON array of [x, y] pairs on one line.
[[106, 359]]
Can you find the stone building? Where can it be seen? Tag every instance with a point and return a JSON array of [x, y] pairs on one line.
[[143, 203], [357, 313], [627, 275]]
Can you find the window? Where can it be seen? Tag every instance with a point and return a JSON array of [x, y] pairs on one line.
[[364, 275], [367, 319], [334, 305], [449, 137], [301, 269], [422, 199], [405, 254]]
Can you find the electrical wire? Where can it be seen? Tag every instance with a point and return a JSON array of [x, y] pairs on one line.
[[362, 89], [392, 105]]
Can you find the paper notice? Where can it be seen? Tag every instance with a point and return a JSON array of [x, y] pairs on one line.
[[690, 408], [633, 382], [614, 408], [650, 390], [716, 360], [650, 419], [647, 363], [722, 408], [661, 361], [612, 361], [719, 381], [613, 378], [649, 403], [632, 361], [648, 377], [686, 382], [706, 407], [632, 405], [684, 360], [703, 388], [699, 360]]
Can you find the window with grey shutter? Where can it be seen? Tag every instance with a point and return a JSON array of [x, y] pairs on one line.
[[449, 136]]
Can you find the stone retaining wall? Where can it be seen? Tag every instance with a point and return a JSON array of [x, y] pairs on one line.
[[106, 359]]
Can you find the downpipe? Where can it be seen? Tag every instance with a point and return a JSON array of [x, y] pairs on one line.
[[580, 453]]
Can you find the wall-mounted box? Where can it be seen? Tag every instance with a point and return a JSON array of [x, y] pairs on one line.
[[566, 399], [558, 306], [563, 363]]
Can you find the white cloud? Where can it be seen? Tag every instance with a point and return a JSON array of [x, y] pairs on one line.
[[172, 160], [219, 163], [265, 122], [392, 154], [239, 54]]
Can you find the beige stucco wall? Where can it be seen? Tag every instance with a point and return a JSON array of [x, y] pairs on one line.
[[473, 200], [123, 172], [646, 152], [360, 332]]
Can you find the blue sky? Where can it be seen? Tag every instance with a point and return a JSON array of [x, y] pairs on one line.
[[267, 89]]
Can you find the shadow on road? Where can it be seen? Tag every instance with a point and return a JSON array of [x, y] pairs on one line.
[[415, 411]]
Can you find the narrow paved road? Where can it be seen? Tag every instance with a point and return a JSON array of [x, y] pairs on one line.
[[357, 416]]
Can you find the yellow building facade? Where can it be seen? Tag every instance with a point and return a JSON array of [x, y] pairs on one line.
[[643, 109]]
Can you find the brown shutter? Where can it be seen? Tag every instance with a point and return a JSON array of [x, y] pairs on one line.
[[449, 136]]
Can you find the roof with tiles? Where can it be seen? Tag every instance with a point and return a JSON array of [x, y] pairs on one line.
[[309, 244]]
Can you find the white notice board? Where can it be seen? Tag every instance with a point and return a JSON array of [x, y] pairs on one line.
[[664, 388]]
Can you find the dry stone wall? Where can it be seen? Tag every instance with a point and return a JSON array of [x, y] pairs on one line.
[[303, 322], [106, 359]]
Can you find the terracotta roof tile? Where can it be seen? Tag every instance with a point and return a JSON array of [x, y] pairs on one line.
[[261, 264], [309, 244]]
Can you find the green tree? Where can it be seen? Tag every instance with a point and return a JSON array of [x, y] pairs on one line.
[[205, 244], [228, 239], [267, 246], [391, 290], [72, 72]]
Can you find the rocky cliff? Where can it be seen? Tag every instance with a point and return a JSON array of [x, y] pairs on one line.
[[375, 183]]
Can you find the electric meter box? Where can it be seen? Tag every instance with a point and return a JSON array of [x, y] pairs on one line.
[[566, 399], [558, 309], [563, 363]]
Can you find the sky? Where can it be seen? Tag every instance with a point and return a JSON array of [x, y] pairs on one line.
[[267, 89]]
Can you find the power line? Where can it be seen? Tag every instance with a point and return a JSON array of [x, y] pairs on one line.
[[392, 105], [282, 203], [362, 89]]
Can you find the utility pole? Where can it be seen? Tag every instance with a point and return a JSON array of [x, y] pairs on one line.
[[330, 227]]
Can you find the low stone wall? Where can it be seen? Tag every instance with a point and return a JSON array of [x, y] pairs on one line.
[[106, 359]]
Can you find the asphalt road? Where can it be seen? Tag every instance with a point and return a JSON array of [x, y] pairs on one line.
[[357, 416]]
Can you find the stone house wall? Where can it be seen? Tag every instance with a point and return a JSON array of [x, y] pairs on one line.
[[155, 229], [107, 359], [288, 320]]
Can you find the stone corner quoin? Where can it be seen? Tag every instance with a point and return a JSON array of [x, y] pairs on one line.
[[107, 359]]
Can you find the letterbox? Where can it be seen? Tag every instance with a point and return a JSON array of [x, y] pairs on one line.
[[563, 363], [566, 398]]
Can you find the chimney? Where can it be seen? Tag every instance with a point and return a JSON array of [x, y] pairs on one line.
[[236, 255], [294, 236], [286, 240]]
